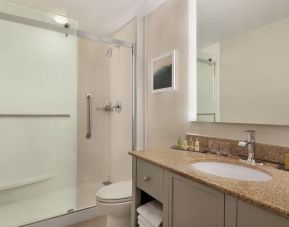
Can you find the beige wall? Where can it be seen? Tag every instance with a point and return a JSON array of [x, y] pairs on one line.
[[167, 113], [93, 77], [121, 89], [167, 117], [254, 76], [108, 80]]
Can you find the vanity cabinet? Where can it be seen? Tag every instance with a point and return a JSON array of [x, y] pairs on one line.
[[150, 179], [190, 204], [252, 216]]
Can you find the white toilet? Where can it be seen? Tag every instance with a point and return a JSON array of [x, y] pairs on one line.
[[115, 201]]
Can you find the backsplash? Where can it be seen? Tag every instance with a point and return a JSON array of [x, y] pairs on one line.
[[264, 152]]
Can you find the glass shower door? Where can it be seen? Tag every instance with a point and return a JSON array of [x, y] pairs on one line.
[[48, 165], [38, 76]]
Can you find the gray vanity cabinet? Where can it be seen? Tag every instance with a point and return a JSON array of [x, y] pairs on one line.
[[252, 216], [150, 179], [193, 205], [189, 204]]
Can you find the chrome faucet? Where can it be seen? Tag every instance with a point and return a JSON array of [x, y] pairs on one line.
[[250, 143]]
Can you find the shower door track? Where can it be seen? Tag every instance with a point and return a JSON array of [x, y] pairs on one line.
[[62, 29]]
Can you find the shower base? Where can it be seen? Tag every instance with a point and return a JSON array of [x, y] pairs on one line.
[[60, 203]]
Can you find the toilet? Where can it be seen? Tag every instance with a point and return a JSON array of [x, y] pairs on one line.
[[115, 200]]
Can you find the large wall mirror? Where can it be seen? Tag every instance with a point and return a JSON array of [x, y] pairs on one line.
[[243, 61]]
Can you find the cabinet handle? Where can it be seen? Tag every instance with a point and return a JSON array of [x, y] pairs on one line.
[[146, 179]]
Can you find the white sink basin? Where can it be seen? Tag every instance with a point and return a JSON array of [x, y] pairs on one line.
[[231, 171]]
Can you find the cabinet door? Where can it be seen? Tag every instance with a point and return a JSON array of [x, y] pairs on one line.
[[230, 211], [252, 216], [193, 205]]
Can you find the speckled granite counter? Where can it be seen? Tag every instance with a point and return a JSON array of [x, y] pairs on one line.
[[272, 195]]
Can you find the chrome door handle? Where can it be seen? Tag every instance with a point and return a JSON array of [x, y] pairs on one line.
[[88, 98]]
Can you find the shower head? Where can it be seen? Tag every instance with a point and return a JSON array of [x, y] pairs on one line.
[[109, 50]]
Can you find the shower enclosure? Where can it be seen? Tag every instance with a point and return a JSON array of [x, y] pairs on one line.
[[66, 115], [206, 103]]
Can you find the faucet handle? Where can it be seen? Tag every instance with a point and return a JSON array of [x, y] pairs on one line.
[[242, 144]]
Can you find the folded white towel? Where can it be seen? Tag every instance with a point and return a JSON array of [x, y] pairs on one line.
[[144, 222], [152, 212]]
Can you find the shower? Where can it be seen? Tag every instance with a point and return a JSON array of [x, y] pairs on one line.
[[49, 167], [109, 50]]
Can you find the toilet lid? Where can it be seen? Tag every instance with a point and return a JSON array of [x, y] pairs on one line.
[[115, 193]]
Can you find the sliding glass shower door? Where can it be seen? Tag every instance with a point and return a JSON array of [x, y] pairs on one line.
[[48, 164], [38, 97]]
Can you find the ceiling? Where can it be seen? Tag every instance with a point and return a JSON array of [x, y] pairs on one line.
[[220, 19], [217, 19], [101, 17]]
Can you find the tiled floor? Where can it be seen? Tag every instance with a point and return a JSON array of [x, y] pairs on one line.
[[97, 222]]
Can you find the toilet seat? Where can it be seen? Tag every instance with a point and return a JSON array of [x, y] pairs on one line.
[[115, 193]]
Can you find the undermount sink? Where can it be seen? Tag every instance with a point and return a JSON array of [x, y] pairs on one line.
[[232, 171]]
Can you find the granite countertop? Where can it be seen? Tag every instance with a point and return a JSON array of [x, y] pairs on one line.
[[272, 195]]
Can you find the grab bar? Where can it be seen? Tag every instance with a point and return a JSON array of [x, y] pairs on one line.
[[32, 115], [88, 98]]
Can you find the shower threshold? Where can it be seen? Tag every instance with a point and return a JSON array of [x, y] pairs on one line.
[[63, 202]]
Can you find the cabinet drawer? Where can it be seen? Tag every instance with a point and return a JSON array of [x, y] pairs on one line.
[[150, 179]]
